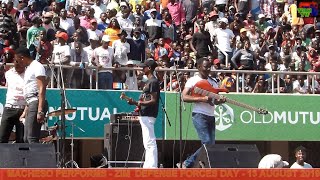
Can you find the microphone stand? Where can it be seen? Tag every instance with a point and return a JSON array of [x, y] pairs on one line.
[[163, 129], [62, 116], [181, 105]]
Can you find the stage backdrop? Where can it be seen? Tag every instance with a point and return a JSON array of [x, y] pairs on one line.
[[93, 110], [290, 118]]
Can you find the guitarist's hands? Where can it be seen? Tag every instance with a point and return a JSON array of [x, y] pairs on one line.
[[209, 100], [132, 102], [221, 100]]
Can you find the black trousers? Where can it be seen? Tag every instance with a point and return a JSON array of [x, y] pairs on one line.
[[10, 118]]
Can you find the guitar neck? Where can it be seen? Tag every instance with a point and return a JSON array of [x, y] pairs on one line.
[[236, 103]]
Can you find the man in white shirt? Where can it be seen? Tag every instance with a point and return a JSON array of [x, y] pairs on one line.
[[103, 58], [98, 8], [94, 29], [124, 20], [65, 22], [14, 108], [300, 154], [203, 108], [34, 92], [121, 49], [224, 36]]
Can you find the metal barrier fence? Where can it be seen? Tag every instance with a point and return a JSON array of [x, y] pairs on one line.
[[239, 74]]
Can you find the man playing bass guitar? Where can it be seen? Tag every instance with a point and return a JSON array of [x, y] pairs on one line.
[[203, 108], [149, 103]]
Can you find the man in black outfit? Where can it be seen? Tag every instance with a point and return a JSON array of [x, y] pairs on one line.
[[201, 42], [149, 103]]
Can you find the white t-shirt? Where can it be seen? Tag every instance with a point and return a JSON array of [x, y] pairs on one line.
[[223, 37], [15, 83], [305, 86], [103, 57], [211, 27], [121, 51], [221, 2], [298, 166], [66, 24], [126, 24], [34, 70], [98, 10], [60, 52], [92, 33], [201, 107]]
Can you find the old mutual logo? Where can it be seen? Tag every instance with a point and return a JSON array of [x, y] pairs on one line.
[[224, 117]]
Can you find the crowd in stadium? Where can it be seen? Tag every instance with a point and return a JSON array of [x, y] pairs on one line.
[[233, 34]]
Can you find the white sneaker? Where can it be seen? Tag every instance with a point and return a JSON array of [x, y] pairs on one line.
[[183, 166]]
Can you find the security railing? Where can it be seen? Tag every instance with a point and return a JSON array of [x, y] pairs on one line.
[[168, 77]]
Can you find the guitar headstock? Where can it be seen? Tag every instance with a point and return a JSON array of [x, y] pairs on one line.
[[262, 111], [122, 95]]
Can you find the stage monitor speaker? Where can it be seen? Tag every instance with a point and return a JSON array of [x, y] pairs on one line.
[[123, 143], [228, 156], [27, 156]]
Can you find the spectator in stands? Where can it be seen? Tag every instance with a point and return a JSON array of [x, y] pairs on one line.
[[85, 20], [104, 21], [103, 58], [301, 155], [162, 49], [98, 8], [61, 55], [121, 48], [200, 43], [153, 26], [77, 27], [113, 30], [224, 39], [94, 29], [300, 86], [138, 53], [33, 31], [44, 48], [169, 29], [177, 12], [260, 86], [244, 58], [124, 20], [65, 22], [131, 77], [79, 58]]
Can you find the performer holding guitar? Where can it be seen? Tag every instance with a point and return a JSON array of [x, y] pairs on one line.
[[203, 108], [149, 103]]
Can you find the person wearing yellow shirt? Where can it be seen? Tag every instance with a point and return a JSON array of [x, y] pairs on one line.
[[113, 30]]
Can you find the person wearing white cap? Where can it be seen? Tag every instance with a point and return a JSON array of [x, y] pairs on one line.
[[131, 77], [124, 20], [272, 161], [261, 23], [103, 58], [224, 36]]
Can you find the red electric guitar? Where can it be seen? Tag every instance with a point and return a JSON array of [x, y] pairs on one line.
[[204, 88], [124, 97]]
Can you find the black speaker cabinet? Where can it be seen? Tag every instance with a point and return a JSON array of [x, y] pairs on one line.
[[123, 143], [228, 156], [27, 156]]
